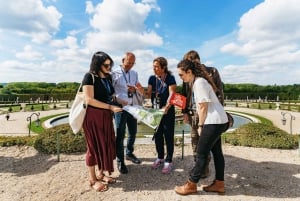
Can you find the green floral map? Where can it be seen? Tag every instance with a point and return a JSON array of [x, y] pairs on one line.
[[149, 116]]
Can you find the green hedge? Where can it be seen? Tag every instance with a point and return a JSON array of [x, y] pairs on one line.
[[261, 135], [252, 135], [46, 142], [6, 141]]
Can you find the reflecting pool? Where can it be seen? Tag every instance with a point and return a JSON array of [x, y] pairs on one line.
[[146, 130]]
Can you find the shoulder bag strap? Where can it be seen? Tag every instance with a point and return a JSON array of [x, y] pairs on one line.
[[81, 82]]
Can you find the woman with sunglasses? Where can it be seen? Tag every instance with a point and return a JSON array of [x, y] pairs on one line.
[[213, 122], [98, 123]]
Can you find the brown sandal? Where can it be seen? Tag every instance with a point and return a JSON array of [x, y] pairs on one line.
[[106, 179], [98, 186]]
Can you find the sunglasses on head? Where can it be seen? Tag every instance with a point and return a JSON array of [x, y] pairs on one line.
[[100, 54]]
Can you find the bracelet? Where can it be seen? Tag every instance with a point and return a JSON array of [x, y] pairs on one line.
[[201, 126]]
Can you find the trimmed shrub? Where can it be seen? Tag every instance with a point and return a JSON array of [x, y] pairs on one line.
[[68, 142], [261, 135], [270, 106], [6, 141]]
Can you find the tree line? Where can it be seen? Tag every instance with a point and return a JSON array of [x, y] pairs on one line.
[[269, 92], [30, 91]]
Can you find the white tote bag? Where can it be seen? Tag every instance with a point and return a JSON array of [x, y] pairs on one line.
[[78, 110]]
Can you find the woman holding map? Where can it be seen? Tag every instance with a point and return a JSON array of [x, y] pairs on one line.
[[160, 88]]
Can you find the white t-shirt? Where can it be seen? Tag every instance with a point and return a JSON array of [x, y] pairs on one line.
[[203, 92]]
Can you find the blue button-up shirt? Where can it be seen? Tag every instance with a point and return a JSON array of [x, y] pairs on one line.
[[121, 79]]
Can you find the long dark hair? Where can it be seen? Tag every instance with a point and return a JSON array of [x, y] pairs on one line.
[[198, 70], [97, 60], [163, 64]]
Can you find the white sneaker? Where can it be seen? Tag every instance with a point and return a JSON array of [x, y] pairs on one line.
[[167, 168], [157, 163]]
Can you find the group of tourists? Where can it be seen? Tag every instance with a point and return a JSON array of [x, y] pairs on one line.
[[109, 89]]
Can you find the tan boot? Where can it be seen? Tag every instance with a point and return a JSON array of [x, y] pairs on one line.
[[188, 188], [217, 186]]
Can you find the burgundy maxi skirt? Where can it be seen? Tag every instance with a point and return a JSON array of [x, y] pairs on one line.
[[100, 138]]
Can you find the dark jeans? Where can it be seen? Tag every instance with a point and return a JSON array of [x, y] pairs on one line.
[[209, 140], [194, 132], [165, 133], [121, 120]]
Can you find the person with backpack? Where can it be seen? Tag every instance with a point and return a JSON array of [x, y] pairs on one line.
[[190, 116]]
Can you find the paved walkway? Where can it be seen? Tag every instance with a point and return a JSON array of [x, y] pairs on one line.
[[18, 124], [275, 116]]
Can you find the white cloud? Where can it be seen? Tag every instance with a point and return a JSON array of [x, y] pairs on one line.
[[269, 39], [69, 42], [263, 49], [29, 54], [116, 26], [45, 71], [29, 18], [89, 7], [119, 25], [267, 27], [122, 41]]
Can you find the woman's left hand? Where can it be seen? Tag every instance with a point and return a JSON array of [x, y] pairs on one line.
[[114, 108]]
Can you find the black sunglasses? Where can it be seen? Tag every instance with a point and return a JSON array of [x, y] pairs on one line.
[[106, 65]]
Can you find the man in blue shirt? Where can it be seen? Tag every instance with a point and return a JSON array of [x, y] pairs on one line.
[[128, 91]]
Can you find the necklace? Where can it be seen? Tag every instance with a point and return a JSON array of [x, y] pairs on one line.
[[105, 82], [160, 84], [124, 75]]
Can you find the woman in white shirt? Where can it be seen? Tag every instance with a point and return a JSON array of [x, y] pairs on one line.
[[213, 122]]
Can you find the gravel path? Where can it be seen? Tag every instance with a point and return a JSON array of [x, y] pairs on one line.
[[251, 174]]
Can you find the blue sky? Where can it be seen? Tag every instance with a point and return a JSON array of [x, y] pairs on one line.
[[249, 41]]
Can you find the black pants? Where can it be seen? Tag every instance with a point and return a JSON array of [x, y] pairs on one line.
[[165, 133], [209, 140], [194, 121]]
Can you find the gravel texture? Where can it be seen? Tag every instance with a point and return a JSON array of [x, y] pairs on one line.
[[250, 174]]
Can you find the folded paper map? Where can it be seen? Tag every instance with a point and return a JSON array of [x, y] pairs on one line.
[[149, 116]]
